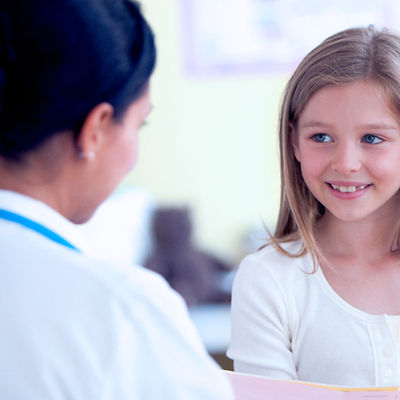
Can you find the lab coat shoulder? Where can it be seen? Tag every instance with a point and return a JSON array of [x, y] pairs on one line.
[[157, 337]]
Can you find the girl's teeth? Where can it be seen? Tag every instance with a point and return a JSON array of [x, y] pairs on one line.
[[348, 189]]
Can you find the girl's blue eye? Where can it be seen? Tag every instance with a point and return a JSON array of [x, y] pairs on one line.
[[371, 139], [322, 138]]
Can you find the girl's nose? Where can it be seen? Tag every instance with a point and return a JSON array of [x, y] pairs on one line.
[[346, 160]]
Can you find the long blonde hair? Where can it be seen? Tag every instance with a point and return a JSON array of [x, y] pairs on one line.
[[348, 56]]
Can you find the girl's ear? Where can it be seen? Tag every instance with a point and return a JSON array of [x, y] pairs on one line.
[[94, 128], [294, 141]]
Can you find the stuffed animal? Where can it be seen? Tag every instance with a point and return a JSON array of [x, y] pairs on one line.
[[193, 273]]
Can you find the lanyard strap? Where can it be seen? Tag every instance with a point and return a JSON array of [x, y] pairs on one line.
[[19, 219]]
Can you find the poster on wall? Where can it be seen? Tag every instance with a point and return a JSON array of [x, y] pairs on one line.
[[231, 36]]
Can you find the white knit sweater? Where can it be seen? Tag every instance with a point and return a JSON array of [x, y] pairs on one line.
[[290, 324]]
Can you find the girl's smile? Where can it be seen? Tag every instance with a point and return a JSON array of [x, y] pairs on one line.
[[347, 190], [347, 141]]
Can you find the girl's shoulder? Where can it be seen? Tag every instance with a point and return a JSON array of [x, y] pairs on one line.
[[271, 262], [270, 278]]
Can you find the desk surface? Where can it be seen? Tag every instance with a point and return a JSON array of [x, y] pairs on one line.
[[214, 325]]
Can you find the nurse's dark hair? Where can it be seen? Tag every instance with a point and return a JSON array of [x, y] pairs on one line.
[[60, 58], [345, 57]]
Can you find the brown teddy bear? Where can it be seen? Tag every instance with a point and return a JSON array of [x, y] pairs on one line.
[[194, 274]]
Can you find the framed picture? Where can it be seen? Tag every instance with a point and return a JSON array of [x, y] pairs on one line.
[[231, 36]]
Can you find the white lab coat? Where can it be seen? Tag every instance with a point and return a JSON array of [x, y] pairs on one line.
[[73, 327]]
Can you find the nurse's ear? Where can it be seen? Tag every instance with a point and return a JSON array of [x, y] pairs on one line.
[[93, 131], [294, 141]]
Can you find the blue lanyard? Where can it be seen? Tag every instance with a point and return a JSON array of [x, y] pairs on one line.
[[19, 219]]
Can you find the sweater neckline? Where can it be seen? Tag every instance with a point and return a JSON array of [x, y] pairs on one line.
[[346, 306]]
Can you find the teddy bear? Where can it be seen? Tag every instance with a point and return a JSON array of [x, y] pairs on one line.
[[193, 273]]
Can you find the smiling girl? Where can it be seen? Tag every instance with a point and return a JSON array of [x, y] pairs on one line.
[[321, 302]]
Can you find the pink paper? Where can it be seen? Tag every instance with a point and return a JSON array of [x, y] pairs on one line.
[[248, 387]]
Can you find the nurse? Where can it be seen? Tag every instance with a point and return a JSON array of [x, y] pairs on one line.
[[74, 92]]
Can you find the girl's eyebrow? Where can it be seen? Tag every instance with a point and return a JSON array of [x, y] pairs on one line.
[[378, 125], [315, 124]]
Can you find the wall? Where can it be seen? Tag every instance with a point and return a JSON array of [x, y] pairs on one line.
[[210, 142]]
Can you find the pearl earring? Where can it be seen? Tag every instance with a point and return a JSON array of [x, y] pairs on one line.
[[90, 155]]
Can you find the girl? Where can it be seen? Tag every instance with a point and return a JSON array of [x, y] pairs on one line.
[[321, 302], [74, 92]]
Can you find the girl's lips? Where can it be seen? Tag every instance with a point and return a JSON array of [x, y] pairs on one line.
[[348, 187], [348, 190]]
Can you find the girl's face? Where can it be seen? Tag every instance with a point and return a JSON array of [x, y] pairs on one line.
[[347, 141]]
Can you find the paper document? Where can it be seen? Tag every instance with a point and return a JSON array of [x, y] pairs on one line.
[[251, 387]]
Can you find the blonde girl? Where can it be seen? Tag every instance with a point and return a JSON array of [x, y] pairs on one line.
[[321, 302]]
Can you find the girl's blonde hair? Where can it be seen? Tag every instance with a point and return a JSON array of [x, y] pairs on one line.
[[348, 56]]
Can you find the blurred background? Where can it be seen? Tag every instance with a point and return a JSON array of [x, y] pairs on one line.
[[210, 146]]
